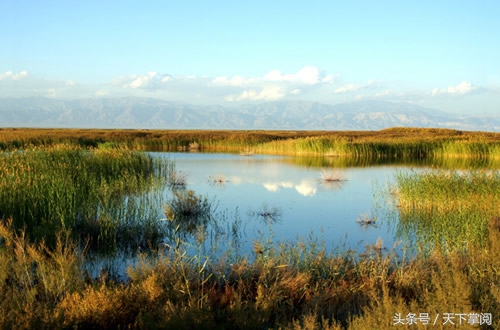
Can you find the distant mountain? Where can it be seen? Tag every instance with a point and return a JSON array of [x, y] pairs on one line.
[[298, 115]]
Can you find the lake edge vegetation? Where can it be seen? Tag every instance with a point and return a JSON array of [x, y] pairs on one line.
[[392, 143], [290, 285]]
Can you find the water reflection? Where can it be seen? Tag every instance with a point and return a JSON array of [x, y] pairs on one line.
[[341, 202], [285, 200], [268, 215]]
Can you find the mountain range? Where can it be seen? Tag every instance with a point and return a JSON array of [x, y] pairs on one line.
[[147, 113]]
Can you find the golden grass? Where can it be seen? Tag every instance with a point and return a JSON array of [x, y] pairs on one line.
[[297, 285], [393, 142], [47, 289]]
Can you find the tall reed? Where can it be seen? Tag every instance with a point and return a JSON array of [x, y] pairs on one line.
[[447, 208], [393, 143], [46, 190]]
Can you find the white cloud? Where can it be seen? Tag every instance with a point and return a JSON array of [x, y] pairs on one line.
[[52, 93], [271, 93], [350, 87], [346, 88], [386, 92], [235, 81], [141, 81], [463, 88], [275, 85], [271, 187], [166, 78], [9, 75], [307, 75]]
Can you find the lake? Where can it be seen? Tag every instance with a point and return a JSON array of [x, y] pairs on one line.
[[273, 195], [276, 199]]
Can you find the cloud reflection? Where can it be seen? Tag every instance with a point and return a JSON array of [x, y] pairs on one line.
[[306, 188], [275, 186]]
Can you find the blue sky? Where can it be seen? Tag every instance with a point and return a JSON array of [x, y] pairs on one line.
[[441, 54]]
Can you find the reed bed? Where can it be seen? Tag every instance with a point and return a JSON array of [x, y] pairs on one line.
[[99, 194], [394, 143], [294, 285], [447, 208], [52, 196]]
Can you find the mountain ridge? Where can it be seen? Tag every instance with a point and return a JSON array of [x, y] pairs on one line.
[[135, 113]]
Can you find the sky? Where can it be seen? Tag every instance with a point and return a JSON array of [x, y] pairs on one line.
[[438, 54]]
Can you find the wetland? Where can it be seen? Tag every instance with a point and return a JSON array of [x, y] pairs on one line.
[[247, 230]]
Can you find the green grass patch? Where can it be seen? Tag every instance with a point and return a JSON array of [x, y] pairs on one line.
[[98, 194], [447, 208]]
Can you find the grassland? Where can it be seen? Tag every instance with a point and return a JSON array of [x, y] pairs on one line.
[[49, 189], [60, 189], [447, 209], [395, 143], [292, 286]]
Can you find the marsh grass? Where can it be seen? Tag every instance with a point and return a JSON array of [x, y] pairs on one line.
[[292, 285], [186, 212], [447, 208], [100, 192], [388, 144], [288, 285]]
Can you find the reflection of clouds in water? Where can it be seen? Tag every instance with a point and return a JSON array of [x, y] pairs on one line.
[[236, 180], [276, 186], [306, 188], [271, 187]]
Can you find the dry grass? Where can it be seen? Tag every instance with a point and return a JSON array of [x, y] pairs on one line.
[[295, 285], [393, 142], [332, 176], [46, 288], [218, 179]]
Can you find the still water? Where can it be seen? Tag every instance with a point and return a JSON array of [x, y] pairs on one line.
[[297, 201], [278, 199]]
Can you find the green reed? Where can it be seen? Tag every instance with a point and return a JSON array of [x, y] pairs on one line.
[[96, 191], [447, 208], [392, 143]]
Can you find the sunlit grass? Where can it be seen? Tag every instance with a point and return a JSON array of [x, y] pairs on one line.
[[394, 143], [96, 193], [294, 285], [447, 208], [53, 197]]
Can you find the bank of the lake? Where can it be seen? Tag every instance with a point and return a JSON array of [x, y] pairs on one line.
[[297, 284]]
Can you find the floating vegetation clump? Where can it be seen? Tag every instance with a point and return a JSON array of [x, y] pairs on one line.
[[332, 179], [247, 152], [366, 221], [332, 176], [177, 179], [188, 211], [267, 214], [219, 180]]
